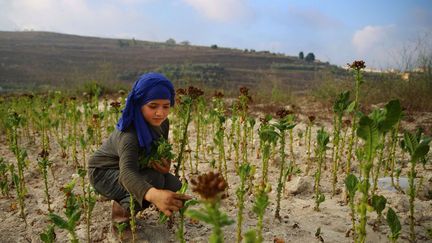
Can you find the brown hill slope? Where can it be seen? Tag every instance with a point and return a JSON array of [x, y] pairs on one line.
[[37, 58]]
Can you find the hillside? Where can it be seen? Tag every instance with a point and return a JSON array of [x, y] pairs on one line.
[[32, 59]]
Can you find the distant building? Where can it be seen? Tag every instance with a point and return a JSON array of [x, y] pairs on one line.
[[405, 76]]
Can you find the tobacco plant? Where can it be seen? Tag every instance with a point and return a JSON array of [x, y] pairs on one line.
[[394, 224], [161, 149], [340, 106], [232, 143], [44, 163], [48, 235], [210, 186], [260, 205], [291, 119], [72, 212], [244, 100], [187, 100], [308, 136], [219, 141], [417, 146], [87, 200], [200, 110], [372, 129], [4, 176], [268, 136], [283, 124], [322, 141], [236, 132], [251, 123], [379, 203], [386, 119], [351, 184], [14, 122], [357, 67], [186, 205], [392, 157], [74, 114], [244, 173]]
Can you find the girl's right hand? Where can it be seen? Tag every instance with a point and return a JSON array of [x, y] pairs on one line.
[[165, 200], [162, 167]]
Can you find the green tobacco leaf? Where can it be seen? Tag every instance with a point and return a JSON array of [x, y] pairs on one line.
[[351, 107], [190, 202], [75, 217], [261, 202], [224, 220], [268, 134], [410, 143], [48, 236], [394, 223], [378, 203], [58, 221], [183, 188], [162, 218], [421, 151], [251, 237], [351, 183], [393, 113], [321, 198], [341, 102], [187, 204], [244, 171], [368, 131], [121, 226], [195, 214], [322, 138]]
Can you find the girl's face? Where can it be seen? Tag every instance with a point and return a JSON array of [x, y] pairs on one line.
[[156, 111]]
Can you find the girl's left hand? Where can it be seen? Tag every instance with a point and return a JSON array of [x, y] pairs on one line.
[[163, 166]]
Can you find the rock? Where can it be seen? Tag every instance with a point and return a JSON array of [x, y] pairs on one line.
[[425, 191], [300, 186], [402, 204]]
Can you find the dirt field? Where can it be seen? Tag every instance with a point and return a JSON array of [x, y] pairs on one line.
[[299, 220]]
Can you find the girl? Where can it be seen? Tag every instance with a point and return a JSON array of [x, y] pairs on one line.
[[114, 170]]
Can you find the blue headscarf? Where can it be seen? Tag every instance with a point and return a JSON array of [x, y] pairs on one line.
[[148, 87]]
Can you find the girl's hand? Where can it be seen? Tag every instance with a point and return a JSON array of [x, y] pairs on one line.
[[166, 200], [163, 166]]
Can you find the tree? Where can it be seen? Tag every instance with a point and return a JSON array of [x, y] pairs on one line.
[[301, 55], [185, 43], [214, 47], [310, 57], [170, 41]]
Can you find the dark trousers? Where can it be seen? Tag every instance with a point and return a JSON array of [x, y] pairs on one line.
[[106, 183]]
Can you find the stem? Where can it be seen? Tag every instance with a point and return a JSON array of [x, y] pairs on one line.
[[366, 168], [358, 78], [336, 152], [308, 134], [318, 178], [352, 216], [292, 161], [183, 141], [393, 152], [378, 166], [282, 169], [198, 142], [412, 193], [240, 203], [180, 232]]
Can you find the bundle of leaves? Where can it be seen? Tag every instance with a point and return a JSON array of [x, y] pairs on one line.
[[161, 149]]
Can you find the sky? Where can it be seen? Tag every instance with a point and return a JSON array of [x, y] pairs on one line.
[[377, 31]]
